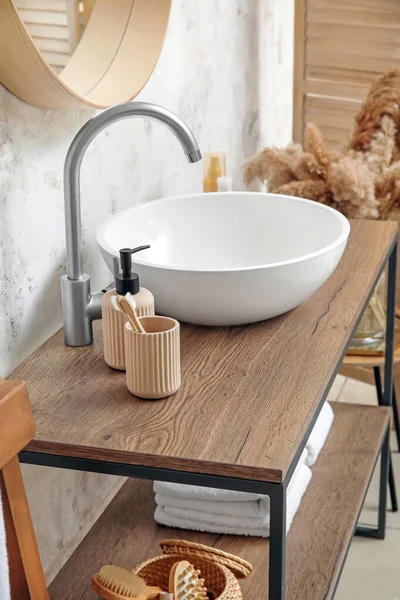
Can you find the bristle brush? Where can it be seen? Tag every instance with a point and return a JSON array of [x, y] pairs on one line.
[[114, 583], [185, 582]]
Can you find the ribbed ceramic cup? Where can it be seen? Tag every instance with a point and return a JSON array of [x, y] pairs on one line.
[[113, 330], [153, 363]]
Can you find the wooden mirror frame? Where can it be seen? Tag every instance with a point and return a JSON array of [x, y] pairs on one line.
[[113, 61]]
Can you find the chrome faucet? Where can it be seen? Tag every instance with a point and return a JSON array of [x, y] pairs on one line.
[[79, 305]]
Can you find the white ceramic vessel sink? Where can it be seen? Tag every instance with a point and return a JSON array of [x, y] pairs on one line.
[[229, 258]]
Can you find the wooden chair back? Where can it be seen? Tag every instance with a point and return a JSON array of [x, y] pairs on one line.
[[17, 428]]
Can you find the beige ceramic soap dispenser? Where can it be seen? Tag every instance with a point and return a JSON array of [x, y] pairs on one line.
[[114, 320]]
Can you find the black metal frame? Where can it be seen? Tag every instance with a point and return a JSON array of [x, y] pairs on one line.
[[396, 416], [378, 385], [385, 398], [276, 491], [379, 393]]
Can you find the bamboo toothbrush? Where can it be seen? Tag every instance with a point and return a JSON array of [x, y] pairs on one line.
[[185, 583], [114, 583], [127, 306]]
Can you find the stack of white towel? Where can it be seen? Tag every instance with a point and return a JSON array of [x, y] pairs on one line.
[[237, 513]]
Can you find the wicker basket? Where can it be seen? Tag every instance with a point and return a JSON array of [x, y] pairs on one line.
[[239, 567], [221, 582]]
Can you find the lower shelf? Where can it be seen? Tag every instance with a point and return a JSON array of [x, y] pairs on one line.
[[317, 542]]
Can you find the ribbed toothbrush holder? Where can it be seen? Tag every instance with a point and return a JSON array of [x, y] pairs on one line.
[[153, 358]]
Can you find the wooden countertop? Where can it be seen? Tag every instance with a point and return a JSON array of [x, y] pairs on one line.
[[248, 394]]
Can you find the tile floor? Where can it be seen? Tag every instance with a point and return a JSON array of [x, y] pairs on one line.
[[372, 569]]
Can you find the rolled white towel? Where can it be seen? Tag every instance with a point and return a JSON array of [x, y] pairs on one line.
[[227, 524], [5, 591], [319, 434]]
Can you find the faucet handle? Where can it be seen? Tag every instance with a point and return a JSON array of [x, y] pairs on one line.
[[116, 269]]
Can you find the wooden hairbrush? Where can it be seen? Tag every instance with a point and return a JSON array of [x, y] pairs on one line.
[[185, 583], [114, 583]]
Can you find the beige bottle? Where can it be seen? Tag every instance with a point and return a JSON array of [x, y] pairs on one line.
[[214, 168], [113, 320]]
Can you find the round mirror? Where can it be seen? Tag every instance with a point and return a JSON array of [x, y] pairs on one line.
[[56, 26], [65, 53]]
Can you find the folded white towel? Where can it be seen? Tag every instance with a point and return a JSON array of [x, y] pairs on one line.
[[211, 500], [228, 524], [164, 519], [253, 508], [181, 490], [227, 520], [5, 592], [319, 434]]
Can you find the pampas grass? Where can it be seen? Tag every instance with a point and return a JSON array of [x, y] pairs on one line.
[[362, 181]]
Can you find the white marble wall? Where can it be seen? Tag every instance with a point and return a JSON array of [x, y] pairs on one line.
[[211, 73], [276, 53]]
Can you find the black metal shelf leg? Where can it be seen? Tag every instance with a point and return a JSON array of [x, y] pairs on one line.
[[385, 399], [392, 484], [388, 389], [383, 483], [392, 487], [277, 543], [378, 385], [396, 417]]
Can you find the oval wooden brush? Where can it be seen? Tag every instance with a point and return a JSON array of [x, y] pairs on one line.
[[185, 583], [114, 583]]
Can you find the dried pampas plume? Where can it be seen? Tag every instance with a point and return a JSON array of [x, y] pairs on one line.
[[362, 181], [316, 190], [319, 160], [383, 100]]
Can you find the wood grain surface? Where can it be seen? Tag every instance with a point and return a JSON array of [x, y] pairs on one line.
[[18, 584], [22, 527], [248, 393], [16, 430], [16, 421], [126, 533]]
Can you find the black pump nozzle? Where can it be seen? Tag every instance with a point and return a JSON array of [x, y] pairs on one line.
[[125, 258], [128, 281]]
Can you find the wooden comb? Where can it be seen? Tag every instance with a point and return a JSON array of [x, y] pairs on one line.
[[185, 582]]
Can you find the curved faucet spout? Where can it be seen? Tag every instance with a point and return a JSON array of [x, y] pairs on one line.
[[80, 306], [78, 149]]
